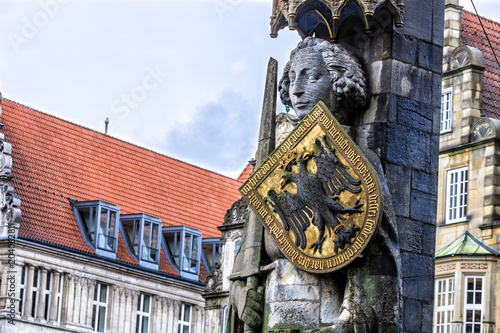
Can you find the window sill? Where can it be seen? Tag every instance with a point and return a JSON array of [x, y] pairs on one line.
[[454, 222]]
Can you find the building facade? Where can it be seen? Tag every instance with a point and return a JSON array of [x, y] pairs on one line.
[[100, 235], [468, 218]]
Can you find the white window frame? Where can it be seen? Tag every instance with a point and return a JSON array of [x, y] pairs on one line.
[[35, 291], [48, 294], [59, 298], [97, 305], [457, 188], [183, 324], [473, 306], [446, 110], [22, 292], [141, 314], [444, 300]]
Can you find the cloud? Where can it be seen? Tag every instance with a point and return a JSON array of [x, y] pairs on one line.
[[222, 136]]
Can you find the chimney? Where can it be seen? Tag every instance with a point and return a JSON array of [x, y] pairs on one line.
[[106, 122]]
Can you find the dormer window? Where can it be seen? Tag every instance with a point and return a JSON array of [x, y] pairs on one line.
[[211, 252], [184, 245], [98, 222], [142, 232]]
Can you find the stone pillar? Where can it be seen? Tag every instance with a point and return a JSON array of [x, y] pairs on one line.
[[89, 303], [197, 318], [127, 310], [84, 301], [29, 292], [452, 27], [69, 299], [115, 309], [134, 298], [166, 308], [53, 304], [176, 307], [4, 287], [41, 295], [78, 299]]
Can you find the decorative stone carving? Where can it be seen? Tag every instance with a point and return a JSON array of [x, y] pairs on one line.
[[464, 56], [237, 213], [11, 213], [484, 129], [288, 12], [214, 279]]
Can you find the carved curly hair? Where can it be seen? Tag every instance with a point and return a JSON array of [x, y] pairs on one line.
[[349, 87]]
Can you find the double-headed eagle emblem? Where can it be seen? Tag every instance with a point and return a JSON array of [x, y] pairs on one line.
[[317, 198]]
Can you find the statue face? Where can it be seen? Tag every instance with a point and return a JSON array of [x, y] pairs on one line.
[[310, 82]]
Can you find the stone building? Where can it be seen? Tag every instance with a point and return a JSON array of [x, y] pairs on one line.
[[468, 218], [111, 235]]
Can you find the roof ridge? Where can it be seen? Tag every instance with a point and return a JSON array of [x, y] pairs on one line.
[[121, 140]]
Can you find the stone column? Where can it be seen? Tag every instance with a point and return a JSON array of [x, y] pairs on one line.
[[41, 295], [175, 314], [121, 309], [78, 299], [10, 288], [127, 310], [166, 309], [29, 292], [134, 298], [82, 305], [90, 301], [53, 304], [69, 299], [115, 309], [197, 318]]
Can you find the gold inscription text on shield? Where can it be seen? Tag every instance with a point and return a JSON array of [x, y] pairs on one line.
[[317, 195]]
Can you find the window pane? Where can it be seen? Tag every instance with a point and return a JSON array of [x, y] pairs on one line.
[[112, 224], [145, 325], [102, 318], [104, 294], [104, 220], [154, 236], [147, 231], [187, 313], [146, 303]]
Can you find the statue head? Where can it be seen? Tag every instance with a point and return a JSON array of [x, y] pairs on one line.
[[321, 71]]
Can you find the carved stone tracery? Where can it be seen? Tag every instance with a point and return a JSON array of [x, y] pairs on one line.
[[289, 9]]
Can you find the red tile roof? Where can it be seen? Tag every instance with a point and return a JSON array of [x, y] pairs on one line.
[[55, 160], [245, 174], [473, 35]]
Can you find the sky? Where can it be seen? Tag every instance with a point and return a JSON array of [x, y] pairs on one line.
[[181, 77]]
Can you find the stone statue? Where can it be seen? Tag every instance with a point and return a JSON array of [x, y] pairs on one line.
[[363, 297]]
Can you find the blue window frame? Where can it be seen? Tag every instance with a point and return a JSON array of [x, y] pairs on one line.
[[184, 245], [98, 221], [142, 233], [211, 252]]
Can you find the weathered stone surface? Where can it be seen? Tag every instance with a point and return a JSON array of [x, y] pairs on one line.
[[413, 315], [408, 147], [424, 182], [412, 82], [416, 265], [423, 207], [402, 176], [407, 48], [410, 235], [415, 115]]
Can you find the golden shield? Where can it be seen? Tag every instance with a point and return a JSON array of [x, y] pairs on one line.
[[317, 195]]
